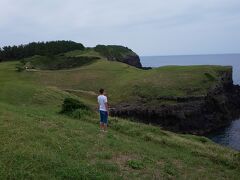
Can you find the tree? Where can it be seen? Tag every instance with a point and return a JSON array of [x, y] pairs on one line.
[[50, 48]]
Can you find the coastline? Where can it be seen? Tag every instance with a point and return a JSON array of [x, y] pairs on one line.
[[194, 115]]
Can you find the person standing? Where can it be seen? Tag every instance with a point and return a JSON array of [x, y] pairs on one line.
[[103, 110]]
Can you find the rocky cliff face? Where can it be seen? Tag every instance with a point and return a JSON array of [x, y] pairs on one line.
[[119, 53], [132, 60], [196, 115]]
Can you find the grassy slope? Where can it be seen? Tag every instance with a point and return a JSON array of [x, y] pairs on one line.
[[87, 52], [37, 142], [129, 83]]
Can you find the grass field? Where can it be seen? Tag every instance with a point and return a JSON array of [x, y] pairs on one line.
[[127, 82], [124, 82], [39, 143]]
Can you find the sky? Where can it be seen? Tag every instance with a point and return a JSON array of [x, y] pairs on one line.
[[152, 27]]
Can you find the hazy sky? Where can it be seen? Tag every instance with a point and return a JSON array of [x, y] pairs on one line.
[[152, 27]]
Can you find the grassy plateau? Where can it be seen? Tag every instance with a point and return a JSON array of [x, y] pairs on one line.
[[39, 143], [124, 82]]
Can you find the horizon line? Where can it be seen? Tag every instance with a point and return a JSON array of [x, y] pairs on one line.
[[191, 54]]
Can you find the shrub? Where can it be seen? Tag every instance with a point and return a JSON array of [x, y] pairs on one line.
[[20, 68], [135, 164], [70, 105], [80, 113]]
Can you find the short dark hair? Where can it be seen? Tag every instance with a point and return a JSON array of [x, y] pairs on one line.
[[101, 91]]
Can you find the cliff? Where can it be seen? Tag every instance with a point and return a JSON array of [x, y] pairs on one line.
[[189, 114], [119, 53]]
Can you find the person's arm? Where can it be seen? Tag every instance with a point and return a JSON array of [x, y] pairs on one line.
[[97, 104], [106, 104]]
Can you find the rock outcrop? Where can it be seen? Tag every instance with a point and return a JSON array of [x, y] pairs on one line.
[[119, 53], [196, 115], [132, 60]]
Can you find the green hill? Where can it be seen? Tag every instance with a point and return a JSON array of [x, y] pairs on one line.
[[39, 143], [51, 52], [124, 82]]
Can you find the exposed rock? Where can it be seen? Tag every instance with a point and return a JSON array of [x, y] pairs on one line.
[[119, 53], [132, 60], [196, 115], [147, 68]]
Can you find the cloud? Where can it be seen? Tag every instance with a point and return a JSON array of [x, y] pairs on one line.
[[185, 26]]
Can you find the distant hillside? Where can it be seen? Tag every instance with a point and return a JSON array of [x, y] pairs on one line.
[[77, 58], [56, 49], [126, 83], [8, 53]]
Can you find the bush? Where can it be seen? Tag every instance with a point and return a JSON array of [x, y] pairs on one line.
[[80, 113], [20, 68], [21, 65], [135, 164], [70, 105]]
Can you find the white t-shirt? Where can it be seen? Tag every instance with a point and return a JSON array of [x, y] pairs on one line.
[[101, 101]]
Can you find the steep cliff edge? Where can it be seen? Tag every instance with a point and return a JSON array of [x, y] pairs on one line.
[[190, 114], [119, 53]]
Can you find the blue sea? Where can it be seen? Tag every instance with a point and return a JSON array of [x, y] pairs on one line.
[[228, 136]]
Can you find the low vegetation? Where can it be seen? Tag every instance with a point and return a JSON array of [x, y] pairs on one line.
[[56, 62], [70, 105], [75, 109], [125, 82]]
